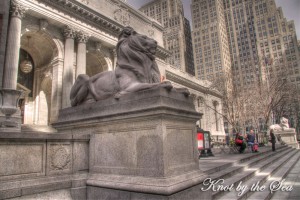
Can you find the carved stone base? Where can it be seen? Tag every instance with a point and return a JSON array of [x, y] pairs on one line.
[[288, 136], [9, 99], [11, 125], [126, 188], [142, 143]]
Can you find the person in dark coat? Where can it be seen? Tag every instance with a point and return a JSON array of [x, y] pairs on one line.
[[273, 139], [242, 144], [251, 139]]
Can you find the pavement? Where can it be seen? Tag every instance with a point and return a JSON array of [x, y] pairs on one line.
[[222, 159]]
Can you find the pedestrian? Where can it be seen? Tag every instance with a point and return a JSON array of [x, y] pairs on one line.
[[273, 139], [239, 141], [250, 139]]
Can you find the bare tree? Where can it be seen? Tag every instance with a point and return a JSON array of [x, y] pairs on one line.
[[233, 102], [257, 104], [270, 98]]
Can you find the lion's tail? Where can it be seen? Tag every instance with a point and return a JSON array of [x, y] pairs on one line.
[[79, 90]]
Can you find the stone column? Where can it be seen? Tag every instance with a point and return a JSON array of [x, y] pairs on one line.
[[57, 84], [68, 81], [37, 88], [81, 38], [13, 46]]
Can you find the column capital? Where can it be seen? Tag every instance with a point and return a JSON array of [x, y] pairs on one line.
[[82, 37], [114, 52], [16, 9], [69, 32]]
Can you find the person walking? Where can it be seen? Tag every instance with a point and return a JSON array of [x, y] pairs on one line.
[[273, 139], [250, 139]]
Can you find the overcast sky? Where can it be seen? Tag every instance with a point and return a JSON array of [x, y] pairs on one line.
[[291, 10]]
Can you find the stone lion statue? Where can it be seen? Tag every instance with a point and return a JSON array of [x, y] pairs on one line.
[[136, 70], [284, 124]]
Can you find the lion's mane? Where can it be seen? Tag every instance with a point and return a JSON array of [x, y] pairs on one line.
[[133, 54]]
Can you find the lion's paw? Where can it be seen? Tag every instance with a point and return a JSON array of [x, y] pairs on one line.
[[184, 91], [167, 84], [118, 96]]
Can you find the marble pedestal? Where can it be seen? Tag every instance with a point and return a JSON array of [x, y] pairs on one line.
[[142, 146], [288, 136]]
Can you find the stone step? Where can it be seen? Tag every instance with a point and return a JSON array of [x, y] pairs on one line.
[[261, 176], [240, 165], [277, 177], [292, 179], [222, 163], [251, 169]]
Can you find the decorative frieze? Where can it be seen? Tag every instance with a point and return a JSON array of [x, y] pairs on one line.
[[151, 32], [60, 157], [122, 15], [17, 10]]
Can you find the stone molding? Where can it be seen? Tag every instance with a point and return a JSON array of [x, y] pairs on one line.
[[17, 10], [106, 109]]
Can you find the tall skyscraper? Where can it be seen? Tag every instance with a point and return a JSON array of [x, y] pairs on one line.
[[249, 38], [177, 34], [211, 45]]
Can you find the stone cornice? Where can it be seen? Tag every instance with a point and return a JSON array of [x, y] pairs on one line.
[[190, 84], [87, 15]]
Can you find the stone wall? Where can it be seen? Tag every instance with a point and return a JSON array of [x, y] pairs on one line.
[[33, 163]]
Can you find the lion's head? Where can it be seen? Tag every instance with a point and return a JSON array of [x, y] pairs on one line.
[[284, 122], [135, 52]]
